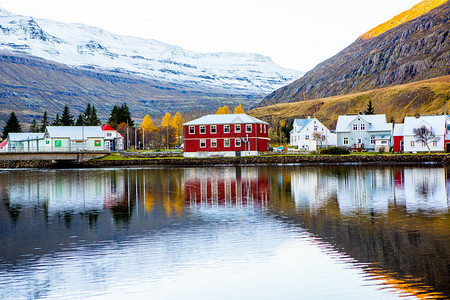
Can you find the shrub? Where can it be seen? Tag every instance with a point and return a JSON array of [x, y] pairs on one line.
[[334, 151]]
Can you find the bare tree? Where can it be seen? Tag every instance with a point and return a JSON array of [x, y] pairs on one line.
[[319, 137], [425, 135]]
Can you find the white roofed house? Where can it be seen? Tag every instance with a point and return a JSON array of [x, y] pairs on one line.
[[114, 141], [364, 132], [25, 142], [437, 125], [74, 138], [308, 134], [225, 135]]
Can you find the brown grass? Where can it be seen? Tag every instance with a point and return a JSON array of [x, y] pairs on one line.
[[426, 97], [416, 11]]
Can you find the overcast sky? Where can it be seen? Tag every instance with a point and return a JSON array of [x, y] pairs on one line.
[[296, 34]]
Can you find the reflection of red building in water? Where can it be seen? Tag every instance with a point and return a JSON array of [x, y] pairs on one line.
[[223, 186]]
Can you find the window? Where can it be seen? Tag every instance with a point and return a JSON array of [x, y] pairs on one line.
[[265, 127], [202, 129], [346, 141], [260, 128], [213, 129], [315, 128], [359, 141], [248, 128], [363, 127], [434, 143], [237, 142], [226, 142], [412, 144], [372, 140], [355, 126], [213, 143], [237, 128], [226, 128], [108, 134], [202, 143], [306, 137], [191, 129]]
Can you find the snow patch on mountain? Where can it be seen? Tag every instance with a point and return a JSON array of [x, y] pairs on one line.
[[83, 46]]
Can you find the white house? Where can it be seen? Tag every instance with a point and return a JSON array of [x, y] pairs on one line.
[[25, 142], [308, 134], [114, 141], [74, 138], [368, 132], [437, 124]]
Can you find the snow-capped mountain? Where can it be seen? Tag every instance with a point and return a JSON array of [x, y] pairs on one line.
[[86, 47]]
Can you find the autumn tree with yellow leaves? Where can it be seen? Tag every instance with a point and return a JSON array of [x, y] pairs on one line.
[[239, 110], [223, 110], [176, 122]]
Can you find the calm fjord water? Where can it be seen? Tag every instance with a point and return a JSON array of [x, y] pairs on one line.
[[347, 232]]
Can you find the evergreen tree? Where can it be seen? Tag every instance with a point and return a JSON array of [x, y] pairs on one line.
[[120, 115], [44, 122], [370, 110], [12, 125], [87, 113], [57, 121], [80, 121], [34, 126], [66, 117], [93, 119]]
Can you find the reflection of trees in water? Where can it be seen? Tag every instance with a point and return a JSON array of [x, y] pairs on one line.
[[409, 248]]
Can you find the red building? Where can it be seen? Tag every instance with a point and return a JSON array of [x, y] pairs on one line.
[[225, 135]]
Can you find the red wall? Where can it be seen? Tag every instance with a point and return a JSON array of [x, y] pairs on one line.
[[397, 143], [192, 141]]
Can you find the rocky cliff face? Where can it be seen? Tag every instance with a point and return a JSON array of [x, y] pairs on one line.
[[416, 50]]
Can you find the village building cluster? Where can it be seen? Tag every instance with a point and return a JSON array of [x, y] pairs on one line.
[[242, 135]]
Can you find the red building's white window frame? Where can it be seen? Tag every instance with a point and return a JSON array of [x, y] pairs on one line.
[[226, 143], [237, 143], [247, 127], [191, 129], [236, 128], [204, 129], [211, 129], [226, 128], [203, 142], [213, 143]]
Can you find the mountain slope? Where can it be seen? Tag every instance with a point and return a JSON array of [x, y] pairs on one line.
[[84, 47], [414, 50], [431, 96]]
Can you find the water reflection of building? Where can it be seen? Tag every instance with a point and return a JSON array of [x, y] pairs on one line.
[[366, 190], [79, 192], [226, 186], [422, 189]]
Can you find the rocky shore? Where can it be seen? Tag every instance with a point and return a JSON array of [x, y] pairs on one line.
[[443, 159]]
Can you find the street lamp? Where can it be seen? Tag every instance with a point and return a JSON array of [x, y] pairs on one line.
[[167, 137]]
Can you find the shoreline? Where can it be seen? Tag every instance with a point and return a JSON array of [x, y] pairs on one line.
[[307, 160]]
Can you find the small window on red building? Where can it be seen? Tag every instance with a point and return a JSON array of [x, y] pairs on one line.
[[248, 128], [213, 143], [202, 129], [202, 143], [191, 129], [237, 128], [237, 142], [226, 142], [226, 128], [213, 129]]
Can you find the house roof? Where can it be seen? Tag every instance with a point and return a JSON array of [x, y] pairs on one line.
[[225, 119], [300, 123], [398, 129], [376, 123], [107, 128], [3, 143], [437, 123], [24, 136], [75, 132]]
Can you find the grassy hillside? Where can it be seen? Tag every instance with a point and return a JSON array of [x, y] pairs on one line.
[[416, 11], [430, 96]]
